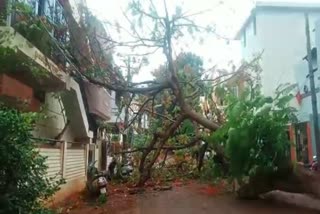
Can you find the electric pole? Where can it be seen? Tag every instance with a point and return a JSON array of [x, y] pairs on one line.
[[312, 89]]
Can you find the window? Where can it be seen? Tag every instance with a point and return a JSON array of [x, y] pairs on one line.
[[34, 4], [41, 7]]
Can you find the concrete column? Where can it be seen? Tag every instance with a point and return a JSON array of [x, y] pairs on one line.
[[86, 155], [64, 149]]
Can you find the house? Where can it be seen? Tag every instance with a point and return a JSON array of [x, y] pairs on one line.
[[277, 30], [235, 83], [35, 75], [304, 129], [111, 134]]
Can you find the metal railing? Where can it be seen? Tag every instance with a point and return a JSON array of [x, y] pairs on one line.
[[47, 15]]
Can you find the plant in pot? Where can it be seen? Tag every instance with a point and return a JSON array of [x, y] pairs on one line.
[[36, 29]]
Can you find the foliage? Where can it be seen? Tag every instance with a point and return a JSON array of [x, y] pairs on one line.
[[38, 30], [190, 69], [115, 137], [10, 62], [210, 171], [23, 181], [34, 28], [140, 140], [164, 109], [102, 199], [254, 136]]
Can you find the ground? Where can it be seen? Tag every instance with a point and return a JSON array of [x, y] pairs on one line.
[[182, 199]]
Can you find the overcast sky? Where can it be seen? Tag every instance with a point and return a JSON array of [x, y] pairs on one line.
[[227, 15]]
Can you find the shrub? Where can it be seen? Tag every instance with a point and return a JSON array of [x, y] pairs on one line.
[[23, 182]]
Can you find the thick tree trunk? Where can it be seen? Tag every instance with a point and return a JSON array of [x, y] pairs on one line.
[[298, 180], [80, 47], [165, 158], [293, 199], [145, 169]]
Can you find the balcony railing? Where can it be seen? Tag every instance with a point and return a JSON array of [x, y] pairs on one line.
[[43, 24]]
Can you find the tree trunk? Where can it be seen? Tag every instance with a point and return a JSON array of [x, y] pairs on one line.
[[145, 170], [164, 159], [144, 177], [286, 179], [202, 152], [293, 199]]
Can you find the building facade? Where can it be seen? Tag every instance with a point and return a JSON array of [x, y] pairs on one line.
[[277, 31], [36, 75]]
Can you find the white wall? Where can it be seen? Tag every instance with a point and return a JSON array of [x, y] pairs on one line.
[[281, 37], [59, 108], [55, 122], [115, 117]]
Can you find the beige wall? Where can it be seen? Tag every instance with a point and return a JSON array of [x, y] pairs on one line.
[[56, 120], [67, 161]]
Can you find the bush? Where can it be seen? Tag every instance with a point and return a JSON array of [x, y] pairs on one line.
[[254, 135], [23, 182], [210, 172]]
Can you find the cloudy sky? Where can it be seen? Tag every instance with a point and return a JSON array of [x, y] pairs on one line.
[[226, 15]]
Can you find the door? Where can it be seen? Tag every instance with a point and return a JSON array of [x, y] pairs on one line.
[[302, 142]]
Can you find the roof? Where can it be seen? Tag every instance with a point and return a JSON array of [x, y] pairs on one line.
[[284, 6]]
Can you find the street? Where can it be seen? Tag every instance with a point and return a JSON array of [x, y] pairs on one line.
[[187, 199]]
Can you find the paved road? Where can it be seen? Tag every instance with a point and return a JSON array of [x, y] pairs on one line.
[[189, 200], [186, 200]]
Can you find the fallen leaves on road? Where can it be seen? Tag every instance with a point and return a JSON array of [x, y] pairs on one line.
[[213, 190]]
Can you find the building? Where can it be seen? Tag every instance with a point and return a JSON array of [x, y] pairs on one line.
[[234, 83], [277, 30], [35, 75], [304, 130]]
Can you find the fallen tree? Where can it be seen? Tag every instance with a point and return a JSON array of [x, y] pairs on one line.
[[250, 147]]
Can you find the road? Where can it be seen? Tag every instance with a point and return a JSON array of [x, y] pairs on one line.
[[188, 199]]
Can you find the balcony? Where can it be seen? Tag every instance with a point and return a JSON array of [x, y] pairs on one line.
[[27, 63], [42, 23], [99, 101], [15, 93], [32, 38]]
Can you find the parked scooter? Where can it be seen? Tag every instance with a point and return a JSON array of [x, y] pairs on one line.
[[126, 170], [96, 181], [123, 170]]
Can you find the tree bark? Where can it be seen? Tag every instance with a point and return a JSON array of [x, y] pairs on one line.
[[200, 119], [145, 170]]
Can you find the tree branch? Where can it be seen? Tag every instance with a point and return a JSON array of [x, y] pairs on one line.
[[140, 110], [192, 143], [200, 119], [119, 88]]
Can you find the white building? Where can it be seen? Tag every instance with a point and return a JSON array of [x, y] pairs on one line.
[[277, 30]]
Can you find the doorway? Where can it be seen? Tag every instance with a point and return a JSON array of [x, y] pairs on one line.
[[302, 142]]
